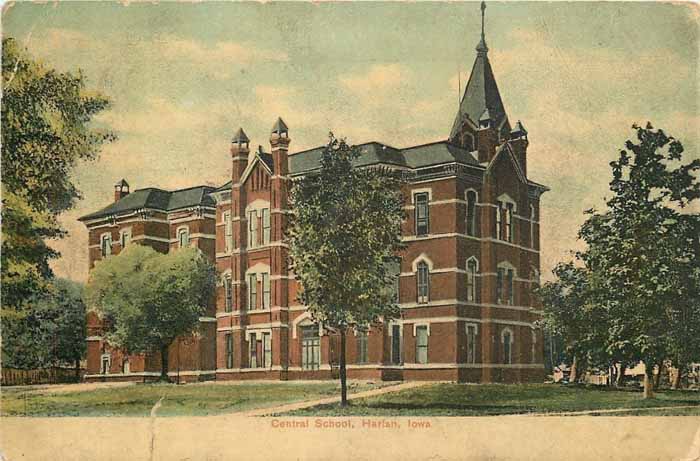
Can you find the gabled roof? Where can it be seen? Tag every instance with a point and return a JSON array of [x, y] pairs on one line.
[[157, 199], [264, 158], [505, 150]]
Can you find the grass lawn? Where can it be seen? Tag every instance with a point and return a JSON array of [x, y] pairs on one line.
[[186, 400], [495, 399]]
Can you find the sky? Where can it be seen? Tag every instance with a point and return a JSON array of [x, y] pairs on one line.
[[182, 77]]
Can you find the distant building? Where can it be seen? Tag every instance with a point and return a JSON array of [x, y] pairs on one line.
[[465, 280]]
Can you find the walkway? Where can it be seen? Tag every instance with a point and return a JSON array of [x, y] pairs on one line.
[[604, 411], [312, 403]]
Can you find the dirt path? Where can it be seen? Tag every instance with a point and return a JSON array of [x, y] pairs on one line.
[[63, 388], [312, 403]]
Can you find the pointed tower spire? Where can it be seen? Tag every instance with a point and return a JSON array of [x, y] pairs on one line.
[[481, 47], [480, 95]]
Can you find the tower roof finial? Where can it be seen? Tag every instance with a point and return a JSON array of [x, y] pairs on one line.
[[481, 47]]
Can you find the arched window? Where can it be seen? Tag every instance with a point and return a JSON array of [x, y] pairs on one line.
[[507, 340], [472, 268], [106, 245], [423, 282], [183, 237], [471, 212], [228, 295]]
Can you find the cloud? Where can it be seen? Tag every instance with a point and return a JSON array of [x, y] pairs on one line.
[[379, 78]]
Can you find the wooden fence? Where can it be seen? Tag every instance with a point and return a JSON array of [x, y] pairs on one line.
[[54, 375]]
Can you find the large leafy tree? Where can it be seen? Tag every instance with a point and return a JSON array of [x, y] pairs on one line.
[[148, 299], [639, 250], [344, 233], [49, 331], [46, 129]]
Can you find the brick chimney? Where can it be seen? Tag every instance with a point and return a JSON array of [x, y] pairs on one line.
[[519, 143], [121, 190], [486, 138]]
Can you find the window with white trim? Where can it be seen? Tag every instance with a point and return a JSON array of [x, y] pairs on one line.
[[472, 267], [125, 237], [228, 231], [423, 282], [396, 344], [362, 346], [253, 350], [105, 363], [421, 344], [252, 292], [471, 212], [106, 245], [266, 225], [252, 229], [510, 286], [310, 348], [228, 295], [229, 350], [497, 231], [508, 232], [266, 290], [183, 237], [267, 350], [507, 341], [471, 343], [505, 289], [422, 213], [126, 368], [532, 226]]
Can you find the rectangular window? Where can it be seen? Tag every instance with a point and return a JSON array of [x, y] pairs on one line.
[[252, 292], [361, 347], [266, 290], [267, 350], [125, 237], [183, 237], [533, 351], [228, 295], [266, 225], [471, 213], [252, 229], [471, 280], [310, 348], [422, 344], [471, 343], [423, 282], [228, 232], [509, 222], [106, 245], [498, 231], [229, 350], [510, 287], [507, 348], [396, 344], [499, 285], [253, 347], [422, 213], [106, 362]]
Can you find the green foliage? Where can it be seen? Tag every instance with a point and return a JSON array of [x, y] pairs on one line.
[[49, 331], [46, 130], [344, 233], [147, 298], [636, 298]]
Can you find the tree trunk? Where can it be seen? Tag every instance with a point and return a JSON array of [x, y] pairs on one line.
[[621, 375], [573, 371], [164, 363], [648, 380], [343, 372], [677, 383], [77, 369]]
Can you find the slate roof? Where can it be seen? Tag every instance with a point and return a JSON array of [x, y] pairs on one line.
[[158, 199], [375, 153], [480, 95]]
